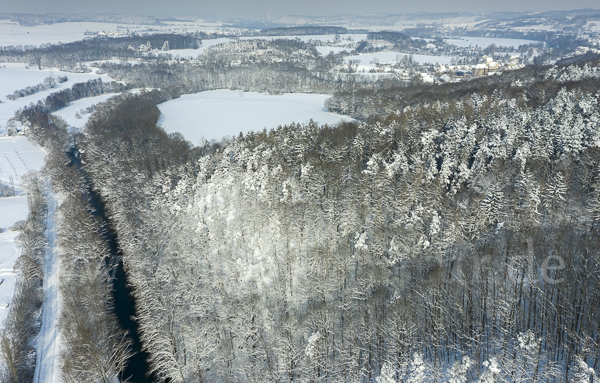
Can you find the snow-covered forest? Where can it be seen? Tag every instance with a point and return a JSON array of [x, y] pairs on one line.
[[449, 233], [451, 241]]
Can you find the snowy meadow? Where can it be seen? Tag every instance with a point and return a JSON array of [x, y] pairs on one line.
[[216, 114]]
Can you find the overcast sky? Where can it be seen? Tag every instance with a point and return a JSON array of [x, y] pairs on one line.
[[271, 9]]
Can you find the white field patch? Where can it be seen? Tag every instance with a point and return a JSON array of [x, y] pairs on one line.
[[11, 33], [484, 42], [16, 77], [220, 113], [18, 155], [70, 113]]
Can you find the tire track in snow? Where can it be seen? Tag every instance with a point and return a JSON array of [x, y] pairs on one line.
[[46, 369]]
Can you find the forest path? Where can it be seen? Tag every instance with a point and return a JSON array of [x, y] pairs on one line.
[[46, 369]]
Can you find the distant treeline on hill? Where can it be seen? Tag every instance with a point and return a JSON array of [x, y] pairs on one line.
[[399, 39], [30, 20], [100, 48], [391, 36], [426, 32], [308, 30]]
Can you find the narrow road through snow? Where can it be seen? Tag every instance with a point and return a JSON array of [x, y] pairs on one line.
[[46, 369]]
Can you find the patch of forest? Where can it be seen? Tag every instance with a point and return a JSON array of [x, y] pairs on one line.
[[400, 40], [453, 239]]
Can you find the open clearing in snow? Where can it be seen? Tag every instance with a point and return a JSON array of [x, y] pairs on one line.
[[220, 113]]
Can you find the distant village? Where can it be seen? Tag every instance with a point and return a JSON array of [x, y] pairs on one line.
[[432, 73]]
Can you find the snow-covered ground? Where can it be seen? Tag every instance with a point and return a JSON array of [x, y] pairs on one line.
[[220, 113], [12, 209], [17, 156], [69, 114], [48, 342], [484, 42], [11, 33], [16, 77], [369, 59]]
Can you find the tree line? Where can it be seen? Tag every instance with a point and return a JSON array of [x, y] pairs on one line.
[[17, 352]]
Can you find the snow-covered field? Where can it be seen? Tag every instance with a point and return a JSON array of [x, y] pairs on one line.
[[484, 42], [16, 77], [220, 113], [369, 59], [11, 33], [17, 156]]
